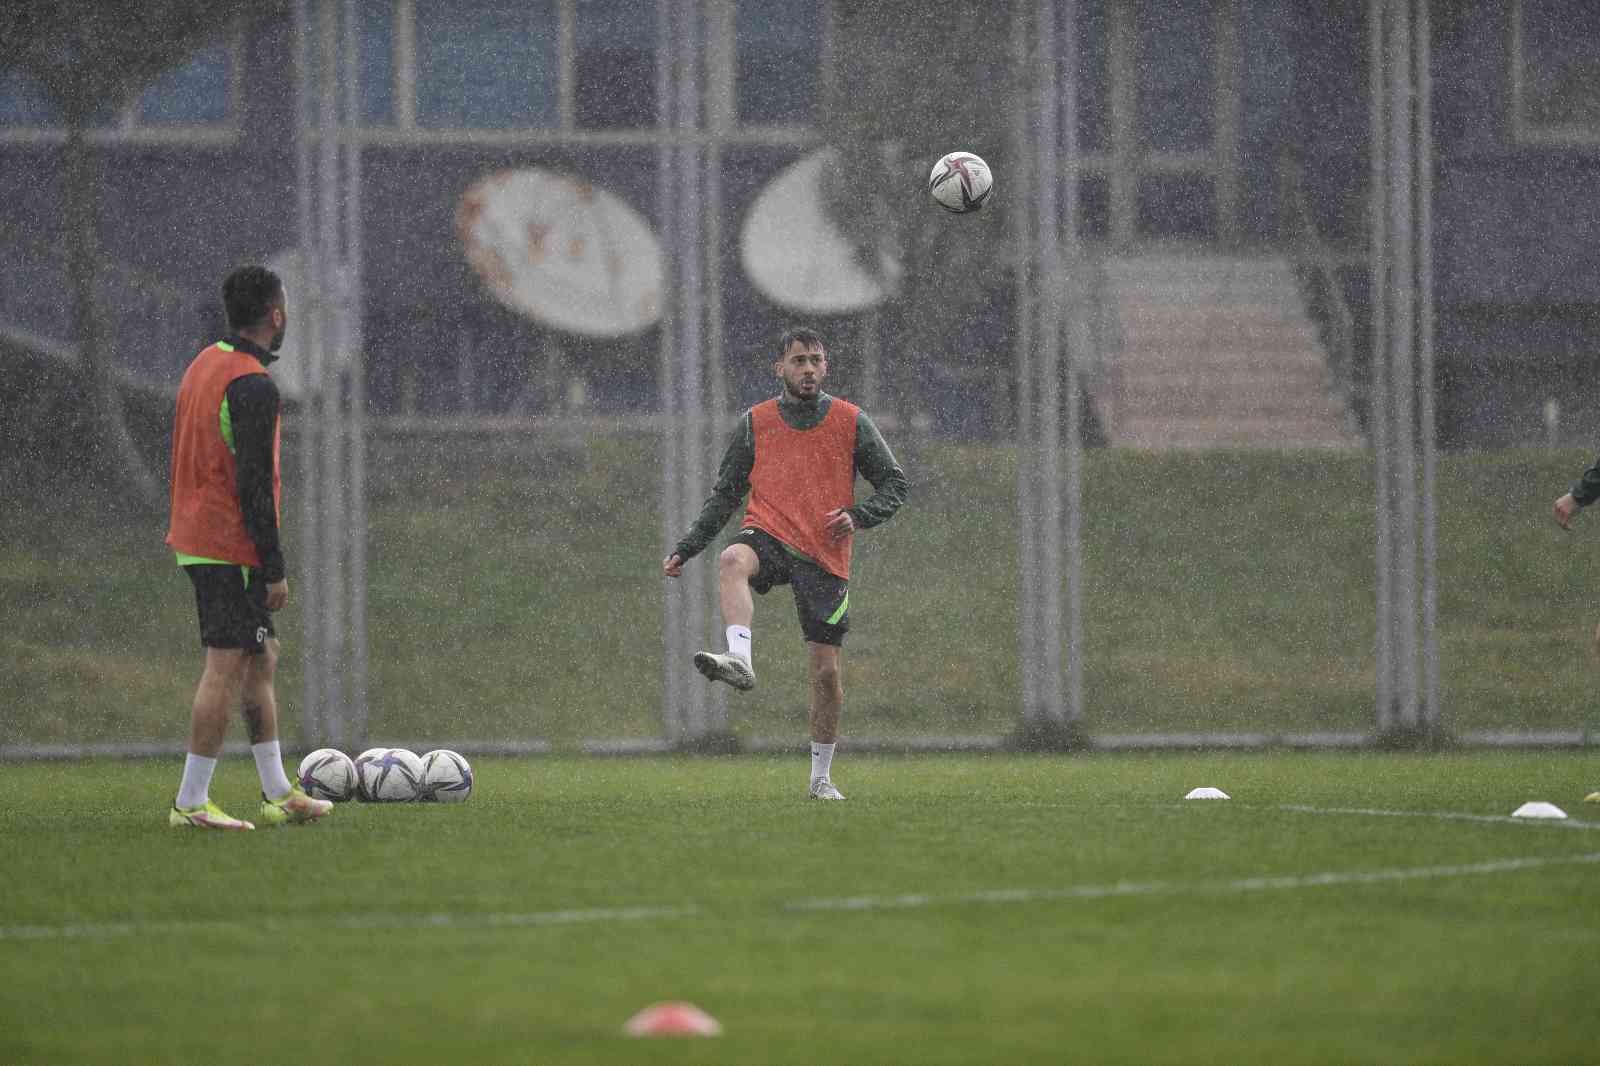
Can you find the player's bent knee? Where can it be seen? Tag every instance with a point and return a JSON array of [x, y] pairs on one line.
[[737, 560]]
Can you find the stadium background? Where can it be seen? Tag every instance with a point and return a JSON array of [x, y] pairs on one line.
[[1228, 181]]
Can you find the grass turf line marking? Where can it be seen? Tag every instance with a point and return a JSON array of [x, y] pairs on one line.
[[1447, 816], [1167, 888], [436, 920], [447, 920]]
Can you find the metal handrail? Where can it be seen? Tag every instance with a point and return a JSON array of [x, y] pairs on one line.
[[1317, 269]]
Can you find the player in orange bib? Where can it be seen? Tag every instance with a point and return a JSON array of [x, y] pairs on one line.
[[226, 492], [797, 456]]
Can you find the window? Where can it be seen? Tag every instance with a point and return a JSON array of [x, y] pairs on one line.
[[487, 64], [1175, 86], [1555, 73], [24, 101], [196, 95], [778, 61], [615, 75], [375, 45], [193, 94], [1094, 79]]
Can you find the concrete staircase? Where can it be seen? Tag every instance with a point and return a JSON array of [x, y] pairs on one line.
[[1216, 352]]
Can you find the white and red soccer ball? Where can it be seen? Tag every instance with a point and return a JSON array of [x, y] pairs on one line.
[[960, 182]]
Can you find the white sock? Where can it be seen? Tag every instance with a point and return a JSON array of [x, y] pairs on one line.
[[196, 787], [269, 766], [821, 760], [739, 642]]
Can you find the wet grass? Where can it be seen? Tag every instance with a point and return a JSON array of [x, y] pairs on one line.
[[1339, 908], [515, 593]]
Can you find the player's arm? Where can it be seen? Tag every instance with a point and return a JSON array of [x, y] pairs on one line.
[[875, 462], [1584, 491], [253, 412], [733, 482]]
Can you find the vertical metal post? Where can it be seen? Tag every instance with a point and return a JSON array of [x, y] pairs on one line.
[[1430, 445], [1048, 339], [308, 313], [1077, 355], [674, 642], [1402, 340], [690, 370], [1380, 417], [355, 732], [1022, 238], [331, 398], [1226, 113], [718, 41]]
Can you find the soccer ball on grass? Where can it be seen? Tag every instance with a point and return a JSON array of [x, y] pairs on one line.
[[446, 777], [329, 774], [388, 775]]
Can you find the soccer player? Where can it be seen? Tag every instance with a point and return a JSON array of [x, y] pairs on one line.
[[224, 528], [797, 456], [1584, 491]]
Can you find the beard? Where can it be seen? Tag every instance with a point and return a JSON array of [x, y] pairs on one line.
[[277, 340]]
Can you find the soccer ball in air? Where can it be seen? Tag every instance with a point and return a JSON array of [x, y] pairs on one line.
[[446, 777], [328, 774], [960, 182], [388, 775]]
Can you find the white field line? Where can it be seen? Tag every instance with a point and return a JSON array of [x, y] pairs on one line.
[[1447, 816], [1192, 888], [615, 915], [370, 920]]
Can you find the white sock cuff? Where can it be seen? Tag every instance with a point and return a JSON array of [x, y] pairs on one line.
[[821, 760], [195, 789], [269, 767]]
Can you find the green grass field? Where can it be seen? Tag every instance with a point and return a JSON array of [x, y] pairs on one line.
[[1004, 909], [1227, 591]]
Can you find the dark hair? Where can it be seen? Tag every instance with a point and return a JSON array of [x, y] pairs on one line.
[[805, 336], [248, 294]]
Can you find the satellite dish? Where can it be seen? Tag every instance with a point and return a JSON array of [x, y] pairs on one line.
[[797, 257], [562, 252]]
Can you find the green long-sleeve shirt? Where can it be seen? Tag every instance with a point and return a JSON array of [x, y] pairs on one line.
[[1587, 488], [873, 461]]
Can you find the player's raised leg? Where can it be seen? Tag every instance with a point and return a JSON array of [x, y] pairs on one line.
[[282, 801], [826, 705], [736, 565], [220, 682]]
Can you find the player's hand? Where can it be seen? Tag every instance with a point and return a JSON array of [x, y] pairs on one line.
[[277, 595], [672, 566], [839, 525], [1566, 508]]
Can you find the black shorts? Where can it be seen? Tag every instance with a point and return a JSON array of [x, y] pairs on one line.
[[821, 599], [232, 602]]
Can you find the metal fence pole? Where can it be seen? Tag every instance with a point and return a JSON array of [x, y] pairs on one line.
[[1022, 232], [331, 396], [1380, 417], [1048, 342], [1078, 355], [674, 642], [689, 375], [1402, 347], [1429, 432], [308, 313], [355, 726]]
